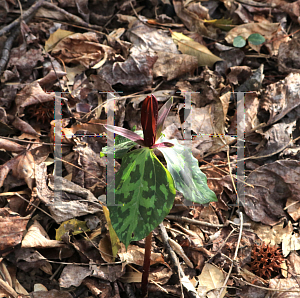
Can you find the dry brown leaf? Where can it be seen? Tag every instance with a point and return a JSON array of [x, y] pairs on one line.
[[178, 249], [61, 207], [105, 249], [282, 97], [144, 38], [22, 166], [293, 208], [73, 275], [171, 66], [12, 228], [193, 21], [272, 235], [48, 81], [24, 60], [32, 94], [273, 184], [283, 286], [136, 71], [135, 255], [245, 30], [160, 275], [81, 48], [290, 243], [24, 126], [51, 294]]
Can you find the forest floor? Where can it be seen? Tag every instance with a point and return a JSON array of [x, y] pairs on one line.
[[69, 67]]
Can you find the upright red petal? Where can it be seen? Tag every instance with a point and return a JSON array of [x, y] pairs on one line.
[[149, 114]]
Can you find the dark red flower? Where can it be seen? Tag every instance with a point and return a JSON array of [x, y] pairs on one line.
[[149, 115], [152, 122]]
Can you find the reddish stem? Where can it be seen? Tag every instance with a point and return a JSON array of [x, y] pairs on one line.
[[146, 266]]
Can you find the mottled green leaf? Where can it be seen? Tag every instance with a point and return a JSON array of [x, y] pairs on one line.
[[122, 146], [144, 194], [188, 177]]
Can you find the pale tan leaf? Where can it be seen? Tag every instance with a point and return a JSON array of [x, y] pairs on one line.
[[37, 237], [55, 37], [212, 278], [190, 47]]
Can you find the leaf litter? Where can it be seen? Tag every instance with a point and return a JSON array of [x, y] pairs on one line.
[[136, 49]]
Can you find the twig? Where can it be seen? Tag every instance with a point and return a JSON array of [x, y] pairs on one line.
[[201, 223], [71, 17], [267, 289], [8, 289], [273, 153], [170, 251], [21, 10], [27, 14], [222, 245], [74, 25], [87, 172], [31, 142], [6, 49], [235, 255], [138, 17], [256, 4], [35, 206], [189, 287]]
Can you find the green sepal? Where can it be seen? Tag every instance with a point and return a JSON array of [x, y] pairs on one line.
[[144, 194], [122, 146], [188, 177]]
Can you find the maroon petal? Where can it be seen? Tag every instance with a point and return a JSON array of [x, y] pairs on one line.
[[149, 114], [126, 133]]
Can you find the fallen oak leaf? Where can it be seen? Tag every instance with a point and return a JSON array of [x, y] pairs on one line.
[[32, 94], [22, 167]]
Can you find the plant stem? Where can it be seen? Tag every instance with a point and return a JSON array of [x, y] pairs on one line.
[[146, 266]]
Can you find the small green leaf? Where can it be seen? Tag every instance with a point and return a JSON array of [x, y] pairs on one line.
[[144, 194], [256, 39], [239, 42], [188, 178]]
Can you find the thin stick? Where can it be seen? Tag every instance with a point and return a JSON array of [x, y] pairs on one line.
[[203, 223], [28, 13], [235, 255], [35, 206], [71, 17], [6, 49], [8, 289]]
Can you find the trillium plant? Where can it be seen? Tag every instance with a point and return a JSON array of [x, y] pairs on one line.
[[144, 189]]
